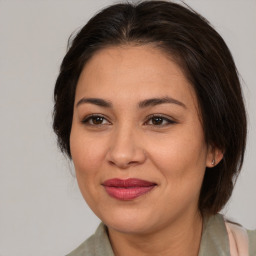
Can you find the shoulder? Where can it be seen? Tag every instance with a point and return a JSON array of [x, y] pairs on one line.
[[241, 239], [86, 248], [96, 245], [214, 237], [222, 237], [252, 241]]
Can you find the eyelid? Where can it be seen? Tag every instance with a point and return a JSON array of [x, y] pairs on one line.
[[168, 119], [88, 117]]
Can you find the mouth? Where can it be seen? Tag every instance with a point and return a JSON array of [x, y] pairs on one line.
[[127, 189]]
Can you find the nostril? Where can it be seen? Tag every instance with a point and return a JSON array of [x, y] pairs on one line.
[[111, 162], [123, 165], [132, 162]]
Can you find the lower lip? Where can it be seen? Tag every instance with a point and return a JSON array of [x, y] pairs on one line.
[[127, 193]]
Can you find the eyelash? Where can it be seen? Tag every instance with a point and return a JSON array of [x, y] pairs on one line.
[[89, 118], [168, 121]]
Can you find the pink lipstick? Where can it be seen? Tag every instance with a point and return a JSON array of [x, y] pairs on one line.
[[128, 189]]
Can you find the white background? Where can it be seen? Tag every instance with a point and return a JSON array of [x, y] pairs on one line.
[[41, 210]]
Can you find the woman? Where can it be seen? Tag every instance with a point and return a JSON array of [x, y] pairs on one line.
[[148, 106]]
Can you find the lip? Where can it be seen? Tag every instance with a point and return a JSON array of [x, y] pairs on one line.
[[127, 189]]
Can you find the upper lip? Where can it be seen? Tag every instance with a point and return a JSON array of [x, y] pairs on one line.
[[126, 183]]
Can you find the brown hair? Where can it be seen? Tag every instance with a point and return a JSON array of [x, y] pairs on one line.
[[206, 61]]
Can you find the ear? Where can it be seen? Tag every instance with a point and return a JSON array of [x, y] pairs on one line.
[[214, 156]]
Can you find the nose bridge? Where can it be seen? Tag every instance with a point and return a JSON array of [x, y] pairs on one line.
[[125, 147]]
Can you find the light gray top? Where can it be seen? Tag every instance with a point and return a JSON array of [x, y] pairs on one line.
[[214, 241]]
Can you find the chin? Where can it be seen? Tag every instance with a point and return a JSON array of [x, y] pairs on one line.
[[129, 227], [128, 221]]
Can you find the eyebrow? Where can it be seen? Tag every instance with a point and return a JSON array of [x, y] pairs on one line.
[[95, 101], [158, 101], [143, 104]]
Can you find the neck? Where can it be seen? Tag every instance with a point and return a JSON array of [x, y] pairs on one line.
[[181, 238]]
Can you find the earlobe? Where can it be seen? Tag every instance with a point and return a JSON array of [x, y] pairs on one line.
[[215, 155]]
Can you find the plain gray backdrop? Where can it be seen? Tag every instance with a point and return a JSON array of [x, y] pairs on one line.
[[41, 210]]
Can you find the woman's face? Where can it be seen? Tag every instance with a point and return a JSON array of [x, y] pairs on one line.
[[136, 141]]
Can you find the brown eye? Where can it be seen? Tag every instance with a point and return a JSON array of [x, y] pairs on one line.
[[157, 120], [95, 120]]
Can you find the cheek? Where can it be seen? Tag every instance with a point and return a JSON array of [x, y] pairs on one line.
[[87, 152], [180, 158], [182, 167]]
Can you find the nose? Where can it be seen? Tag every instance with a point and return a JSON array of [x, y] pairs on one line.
[[125, 149]]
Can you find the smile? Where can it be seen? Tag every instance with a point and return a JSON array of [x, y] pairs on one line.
[[128, 189]]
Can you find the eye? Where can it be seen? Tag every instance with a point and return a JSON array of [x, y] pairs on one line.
[[158, 120], [95, 120]]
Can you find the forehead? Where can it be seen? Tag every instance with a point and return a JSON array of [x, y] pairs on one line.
[[133, 72]]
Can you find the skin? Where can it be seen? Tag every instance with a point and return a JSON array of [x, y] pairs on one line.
[[128, 143]]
